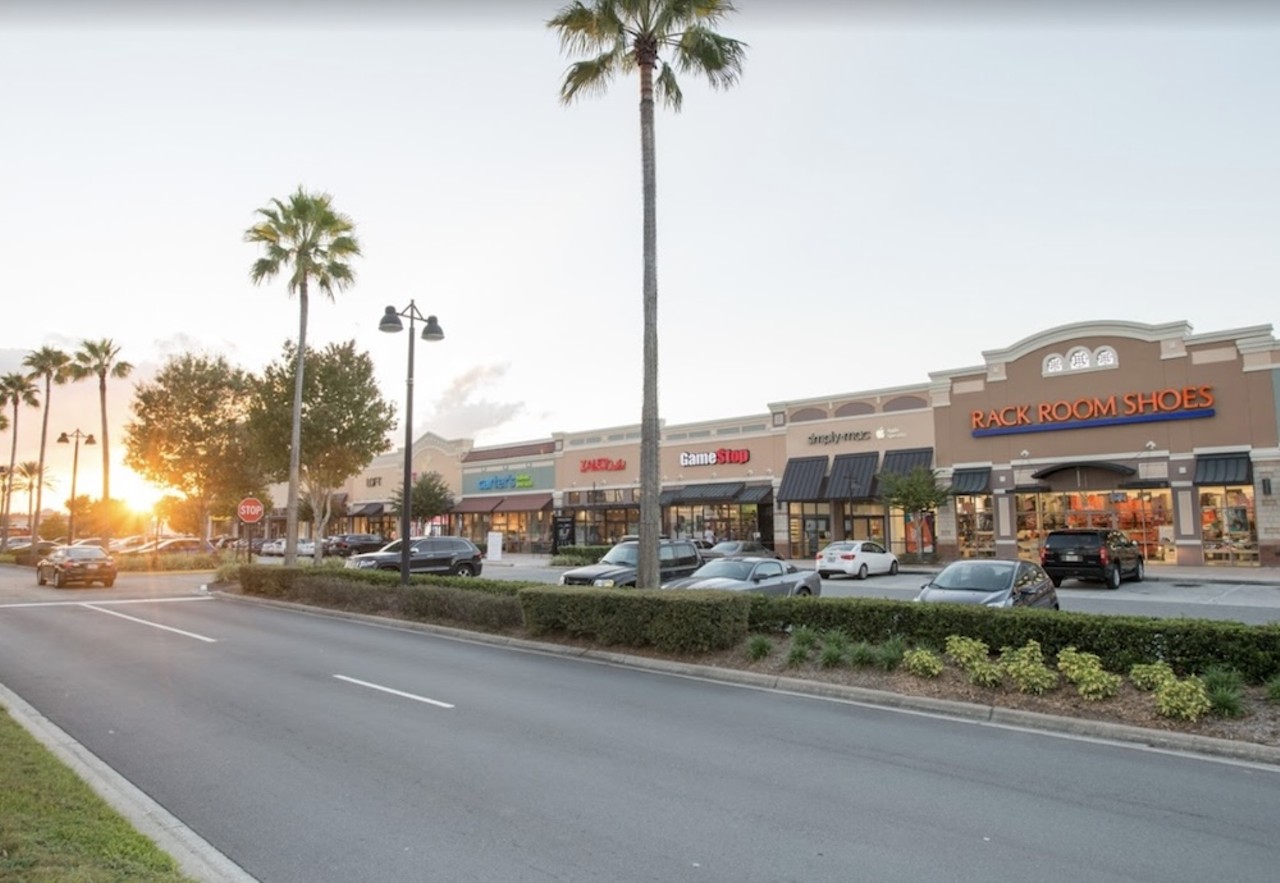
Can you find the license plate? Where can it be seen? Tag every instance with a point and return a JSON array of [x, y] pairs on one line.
[[93, 567], [1070, 557]]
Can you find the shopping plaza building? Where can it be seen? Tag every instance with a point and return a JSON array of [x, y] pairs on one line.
[[1169, 436]]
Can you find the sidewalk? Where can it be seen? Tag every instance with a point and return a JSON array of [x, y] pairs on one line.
[[1260, 576]]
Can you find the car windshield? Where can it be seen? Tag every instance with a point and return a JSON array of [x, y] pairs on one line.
[[1072, 540], [86, 552], [976, 576], [837, 547], [624, 553], [393, 546], [728, 547], [725, 568]]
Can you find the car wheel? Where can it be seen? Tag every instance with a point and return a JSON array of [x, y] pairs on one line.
[[803, 592], [1113, 578], [893, 568], [1055, 606], [862, 572], [108, 583], [1056, 580], [58, 581], [1139, 571], [40, 580], [464, 570], [822, 574]]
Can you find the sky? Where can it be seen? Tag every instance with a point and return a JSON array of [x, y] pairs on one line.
[[889, 190]]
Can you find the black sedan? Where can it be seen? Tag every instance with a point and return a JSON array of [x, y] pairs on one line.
[[76, 564], [992, 582], [767, 576]]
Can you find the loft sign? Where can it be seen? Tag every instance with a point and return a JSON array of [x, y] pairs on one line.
[[719, 457], [509, 482], [602, 464], [1173, 403]]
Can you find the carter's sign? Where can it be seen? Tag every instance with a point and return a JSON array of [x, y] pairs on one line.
[[1173, 403], [509, 482], [721, 457]]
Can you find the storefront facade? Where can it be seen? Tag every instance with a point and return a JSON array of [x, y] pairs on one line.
[[508, 490], [1168, 436], [836, 447]]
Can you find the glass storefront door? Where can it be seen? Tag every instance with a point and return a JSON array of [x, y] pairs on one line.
[[1228, 528], [808, 528]]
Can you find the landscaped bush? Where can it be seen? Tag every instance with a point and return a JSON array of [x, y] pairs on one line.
[[922, 663], [1185, 699], [1086, 672], [889, 655], [1148, 677], [758, 647], [964, 652], [1273, 689], [1026, 667], [587, 554], [985, 673], [152, 563], [862, 655]]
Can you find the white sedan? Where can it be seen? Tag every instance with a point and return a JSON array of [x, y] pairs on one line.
[[306, 548], [273, 547], [859, 558]]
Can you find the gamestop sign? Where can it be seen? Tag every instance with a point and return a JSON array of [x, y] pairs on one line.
[[720, 457], [1157, 406]]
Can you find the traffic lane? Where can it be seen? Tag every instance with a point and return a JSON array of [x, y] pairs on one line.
[[18, 585], [559, 767]]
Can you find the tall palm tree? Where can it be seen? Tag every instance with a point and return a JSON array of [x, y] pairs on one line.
[[30, 477], [316, 242], [622, 36], [51, 364], [101, 359], [16, 389]]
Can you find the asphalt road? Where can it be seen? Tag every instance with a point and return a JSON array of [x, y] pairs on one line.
[[1242, 602], [311, 748]]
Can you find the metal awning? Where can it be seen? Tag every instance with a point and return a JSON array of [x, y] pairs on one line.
[[524, 503], [710, 493], [1223, 469], [366, 510], [757, 493], [971, 481], [803, 479], [904, 461], [1117, 468], [475, 505], [669, 496], [851, 475]]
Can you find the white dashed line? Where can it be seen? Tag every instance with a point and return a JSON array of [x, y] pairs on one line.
[[415, 698], [154, 625]]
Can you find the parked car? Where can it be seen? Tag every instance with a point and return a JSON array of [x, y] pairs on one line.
[[174, 546], [127, 544], [725, 548], [30, 555], [857, 558], [306, 548], [76, 564], [273, 547], [1092, 554], [992, 582], [676, 558], [456, 556], [346, 544], [768, 576]]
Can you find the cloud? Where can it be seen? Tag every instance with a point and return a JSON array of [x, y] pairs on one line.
[[457, 414]]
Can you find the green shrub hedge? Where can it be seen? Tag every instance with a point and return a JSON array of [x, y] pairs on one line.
[[590, 554], [1187, 645], [682, 622]]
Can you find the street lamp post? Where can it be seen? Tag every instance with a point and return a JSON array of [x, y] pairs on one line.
[[65, 439], [430, 331]]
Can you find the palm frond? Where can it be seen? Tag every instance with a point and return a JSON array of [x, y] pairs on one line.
[[718, 58], [666, 87], [589, 77]]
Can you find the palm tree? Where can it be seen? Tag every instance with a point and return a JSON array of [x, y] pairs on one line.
[[621, 36], [30, 477], [99, 358], [16, 389], [52, 365], [307, 235]]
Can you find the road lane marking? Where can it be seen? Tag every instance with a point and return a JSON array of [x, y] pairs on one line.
[[394, 692], [154, 625]]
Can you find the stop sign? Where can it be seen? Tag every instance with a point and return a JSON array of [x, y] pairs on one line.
[[250, 510]]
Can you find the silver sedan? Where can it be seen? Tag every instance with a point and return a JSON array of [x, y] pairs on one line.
[[767, 576]]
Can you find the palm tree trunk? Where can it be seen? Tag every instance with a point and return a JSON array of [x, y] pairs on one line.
[[106, 447], [44, 437], [8, 480], [648, 574], [295, 437]]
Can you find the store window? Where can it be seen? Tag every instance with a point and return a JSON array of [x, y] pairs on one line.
[[1228, 528], [808, 528], [1145, 516], [975, 526]]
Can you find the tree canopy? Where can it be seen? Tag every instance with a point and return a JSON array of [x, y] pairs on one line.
[[430, 496]]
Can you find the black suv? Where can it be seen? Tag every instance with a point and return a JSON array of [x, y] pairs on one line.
[[452, 555], [1095, 553], [345, 544], [676, 558]]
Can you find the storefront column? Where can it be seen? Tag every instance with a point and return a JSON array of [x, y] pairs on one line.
[[1006, 526], [1186, 523], [1266, 477]]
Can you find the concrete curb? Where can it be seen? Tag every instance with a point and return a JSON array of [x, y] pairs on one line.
[[196, 857], [994, 714]]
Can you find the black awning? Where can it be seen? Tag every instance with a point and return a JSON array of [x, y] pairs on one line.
[[667, 497], [971, 481], [758, 493], [524, 503], [803, 479], [851, 476], [904, 461], [1223, 469], [1117, 468], [710, 493], [361, 509], [476, 505]]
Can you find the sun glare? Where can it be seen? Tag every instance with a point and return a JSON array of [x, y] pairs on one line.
[[138, 494]]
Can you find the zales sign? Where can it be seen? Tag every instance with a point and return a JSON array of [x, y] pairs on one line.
[[720, 457], [1174, 403], [602, 464]]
